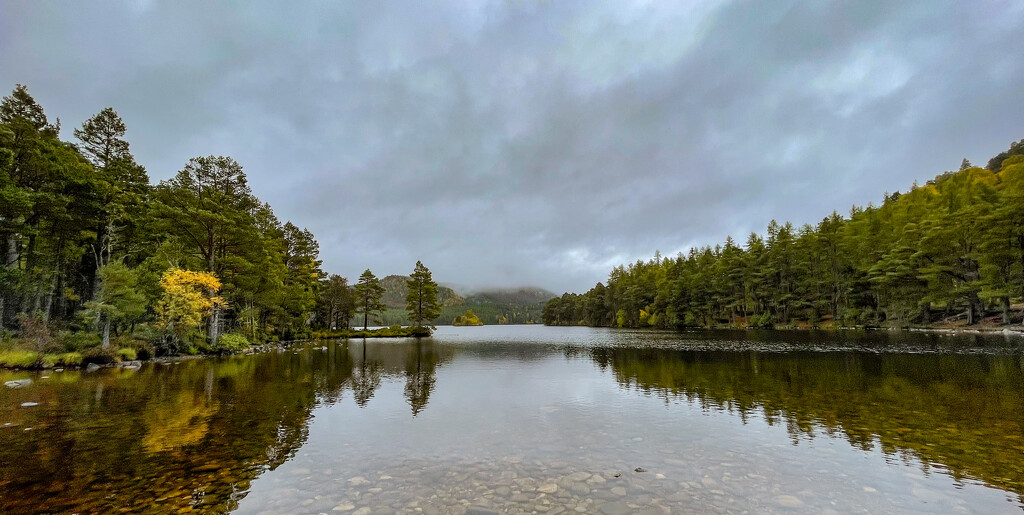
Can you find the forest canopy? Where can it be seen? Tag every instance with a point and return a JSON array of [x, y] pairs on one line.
[[949, 251], [96, 258]]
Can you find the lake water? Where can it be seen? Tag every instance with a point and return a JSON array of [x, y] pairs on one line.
[[530, 419]]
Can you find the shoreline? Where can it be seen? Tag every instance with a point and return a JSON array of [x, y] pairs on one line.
[[249, 351], [1017, 330]]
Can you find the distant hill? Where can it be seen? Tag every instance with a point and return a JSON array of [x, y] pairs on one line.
[[395, 290], [493, 306], [524, 296], [503, 305]]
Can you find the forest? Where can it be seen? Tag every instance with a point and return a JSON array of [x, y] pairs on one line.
[[100, 264], [946, 253]]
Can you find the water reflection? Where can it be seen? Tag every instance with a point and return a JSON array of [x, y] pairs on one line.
[[197, 434], [187, 434], [962, 413]]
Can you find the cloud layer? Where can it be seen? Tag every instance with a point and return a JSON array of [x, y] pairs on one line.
[[536, 143]]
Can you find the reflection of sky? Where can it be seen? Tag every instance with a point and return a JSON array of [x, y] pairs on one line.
[[488, 404]]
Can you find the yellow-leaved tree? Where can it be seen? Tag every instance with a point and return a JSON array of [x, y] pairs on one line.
[[189, 297]]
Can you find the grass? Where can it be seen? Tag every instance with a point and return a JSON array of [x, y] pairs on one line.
[[384, 332], [17, 358]]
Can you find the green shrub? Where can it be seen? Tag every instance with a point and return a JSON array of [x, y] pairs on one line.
[[126, 354], [762, 321], [99, 356], [232, 342], [72, 341]]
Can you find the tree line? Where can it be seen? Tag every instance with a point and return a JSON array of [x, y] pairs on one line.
[[92, 251], [949, 251]]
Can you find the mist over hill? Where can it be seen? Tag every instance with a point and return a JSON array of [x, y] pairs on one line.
[[396, 288], [493, 305]]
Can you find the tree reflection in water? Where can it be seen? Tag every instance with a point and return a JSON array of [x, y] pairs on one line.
[[964, 412], [195, 434]]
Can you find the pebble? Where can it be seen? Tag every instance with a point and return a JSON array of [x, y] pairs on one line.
[[618, 490], [29, 404], [789, 501], [18, 383], [548, 488], [869, 490], [615, 508], [578, 476], [358, 480]]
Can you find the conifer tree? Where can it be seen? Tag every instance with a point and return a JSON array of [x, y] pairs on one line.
[[421, 301], [368, 294]]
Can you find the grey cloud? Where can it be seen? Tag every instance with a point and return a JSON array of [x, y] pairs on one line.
[[514, 143]]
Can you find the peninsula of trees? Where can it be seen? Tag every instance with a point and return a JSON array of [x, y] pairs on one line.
[[99, 264], [949, 252]]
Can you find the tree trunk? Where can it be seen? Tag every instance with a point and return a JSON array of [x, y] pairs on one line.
[[106, 333], [1006, 309], [30, 261], [975, 308], [10, 258], [214, 325]]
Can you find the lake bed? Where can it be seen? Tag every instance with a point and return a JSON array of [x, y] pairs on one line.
[[531, 419]]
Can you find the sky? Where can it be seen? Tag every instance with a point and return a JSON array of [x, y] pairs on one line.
[[536, 143]]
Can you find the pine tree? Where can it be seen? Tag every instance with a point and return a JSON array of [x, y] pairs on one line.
[[368, 294], [421, 301]]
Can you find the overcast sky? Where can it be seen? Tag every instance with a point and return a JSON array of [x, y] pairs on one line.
[[516, 142]]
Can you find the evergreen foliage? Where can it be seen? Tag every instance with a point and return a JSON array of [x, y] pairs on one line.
[[421, 301], [949, 252], [368, 294], [89, 246]]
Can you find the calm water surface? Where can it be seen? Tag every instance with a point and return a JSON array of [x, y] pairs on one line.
[[533, 419]]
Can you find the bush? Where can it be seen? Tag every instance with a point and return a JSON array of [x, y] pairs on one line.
[[232, 342], [34, 333], [762, 321], [126, 354], [142, 348], [73, 341], [99, 356]]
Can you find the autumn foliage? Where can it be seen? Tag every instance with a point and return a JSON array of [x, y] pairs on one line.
[[189, 297]]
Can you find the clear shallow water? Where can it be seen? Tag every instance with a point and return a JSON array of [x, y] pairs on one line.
[[534, 419]]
